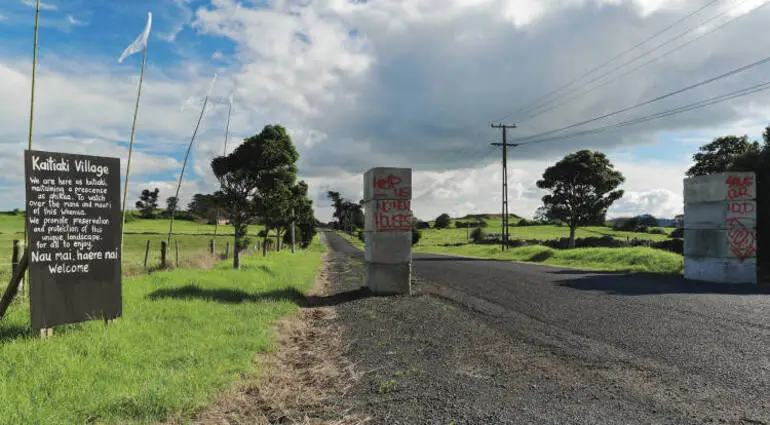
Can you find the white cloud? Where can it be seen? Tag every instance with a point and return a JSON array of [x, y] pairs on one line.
[[3, 17], [43, 6], [180, 18], [404, 83]]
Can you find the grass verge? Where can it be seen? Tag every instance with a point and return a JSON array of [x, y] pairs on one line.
[[634, 260], [186, 335]]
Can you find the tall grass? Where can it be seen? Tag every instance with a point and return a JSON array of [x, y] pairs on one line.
[[185, 336]]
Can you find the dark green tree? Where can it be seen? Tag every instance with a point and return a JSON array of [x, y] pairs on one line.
[[255, 181], [722, 154], [304, 217], [442, 221], [171, 204], [205, 206], [582, 187], [148, 202], [348, 215]]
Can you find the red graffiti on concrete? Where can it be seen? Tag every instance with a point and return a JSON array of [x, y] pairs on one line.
[[393, 215], [389, 186], [738, 188], [742, 237], [742, 208]]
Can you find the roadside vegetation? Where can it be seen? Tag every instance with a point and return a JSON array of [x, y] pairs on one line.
[[185, 336]]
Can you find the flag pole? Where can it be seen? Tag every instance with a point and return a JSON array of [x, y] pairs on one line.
[[184, 164], [131, 146], [224, 152], [32, 106]]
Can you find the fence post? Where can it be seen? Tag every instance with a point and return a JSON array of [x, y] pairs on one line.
[[212, 245], [227, 251], [292, 230], [176, 249], [163, 247], [146, 254], [15, 257]]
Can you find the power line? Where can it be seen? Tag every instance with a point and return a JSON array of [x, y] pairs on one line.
[[658, 115], [656, 99], [534, 104], [632, 70]]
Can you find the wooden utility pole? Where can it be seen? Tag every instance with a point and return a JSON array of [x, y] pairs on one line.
[[505, 144]]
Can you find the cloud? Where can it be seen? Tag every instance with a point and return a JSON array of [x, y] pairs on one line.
[[43, 6], [180, 16], [3, 17]]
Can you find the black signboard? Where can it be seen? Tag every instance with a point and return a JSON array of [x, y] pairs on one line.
[[73, 225]]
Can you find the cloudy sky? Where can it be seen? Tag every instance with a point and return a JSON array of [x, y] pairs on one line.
[[406, 83]]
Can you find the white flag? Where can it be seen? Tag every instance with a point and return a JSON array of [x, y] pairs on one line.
[[195, 101], [140, 41]]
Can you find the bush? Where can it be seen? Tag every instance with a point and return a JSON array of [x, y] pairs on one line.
[[657, 231], [524, 222], [416, 235], [361, 237], [423, 225], [478, 234], [442, 221], [678, 233], [483, 224]]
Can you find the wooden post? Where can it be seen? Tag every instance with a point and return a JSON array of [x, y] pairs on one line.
[[176, 251], [15, 256], [163, 247], [292, 230], [259, 246], [227, 250], [10, 291], [146, 254], [212, 245]]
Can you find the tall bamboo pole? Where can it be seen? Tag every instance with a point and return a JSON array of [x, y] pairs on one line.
[[224, 152], [131, 147], [184, 164]]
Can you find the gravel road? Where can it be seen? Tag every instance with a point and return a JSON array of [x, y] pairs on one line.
[[491, 342]]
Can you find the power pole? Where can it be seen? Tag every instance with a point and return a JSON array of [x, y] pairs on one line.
[[505, 144]]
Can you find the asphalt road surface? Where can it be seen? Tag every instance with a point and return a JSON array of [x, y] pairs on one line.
[[562, 346], [500, 342]]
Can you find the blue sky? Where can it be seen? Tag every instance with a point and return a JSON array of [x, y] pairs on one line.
[[361, 84]]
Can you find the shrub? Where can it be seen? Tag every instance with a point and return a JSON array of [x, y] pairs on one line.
[[657, 231], [361, 236], [416, 235], [483, 224], [478, 234], [423, 225], [442, 221], [524, 222], [678, 233]]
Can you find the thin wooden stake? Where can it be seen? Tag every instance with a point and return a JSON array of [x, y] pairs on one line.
[[176, 249], [212, 246], [227, 251], [163, 248], [146, 254]]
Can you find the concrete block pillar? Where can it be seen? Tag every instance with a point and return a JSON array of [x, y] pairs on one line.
[[388, 230], [720, 236]]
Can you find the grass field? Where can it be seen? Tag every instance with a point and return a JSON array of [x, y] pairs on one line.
[[634, 260], [185, 336], [138, 232]]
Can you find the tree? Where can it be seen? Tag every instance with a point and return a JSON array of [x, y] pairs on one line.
[[171, 204], [349, 215], [205, 206], [148, 202], [647, 220], [304, 217], [442, 221], [256, 180], [583, 185], [722, 154], [416, 235], [478, 234]]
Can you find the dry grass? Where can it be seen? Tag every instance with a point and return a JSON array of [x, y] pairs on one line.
[[304, 381]]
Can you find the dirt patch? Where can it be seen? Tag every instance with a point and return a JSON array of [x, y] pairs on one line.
[[304, 381]]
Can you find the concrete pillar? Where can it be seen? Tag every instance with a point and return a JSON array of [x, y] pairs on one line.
[[388, 230], [720, 237]]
